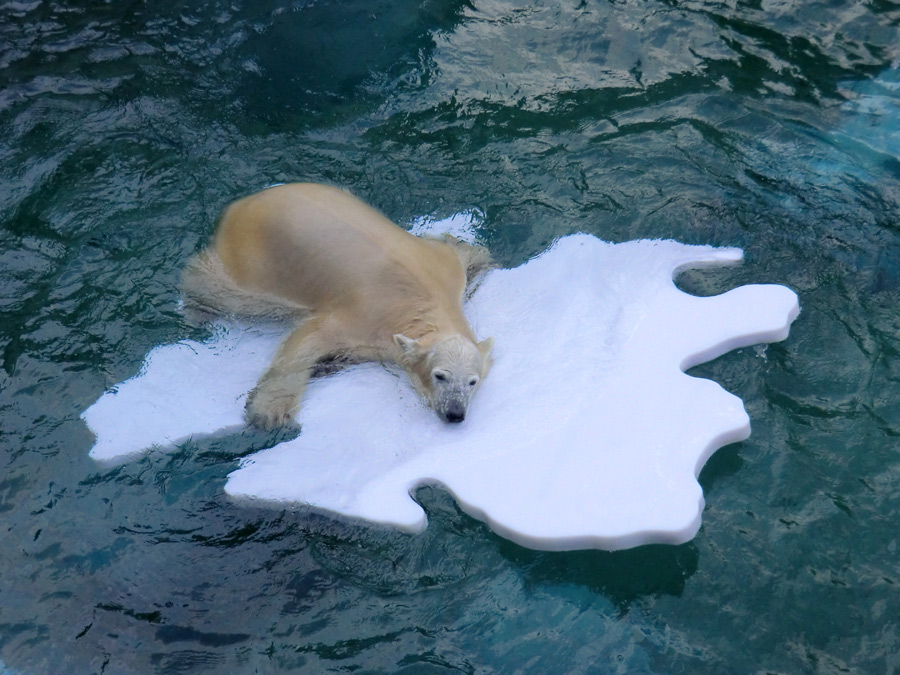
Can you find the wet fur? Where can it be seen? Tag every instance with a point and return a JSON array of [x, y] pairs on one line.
[[279, 254]]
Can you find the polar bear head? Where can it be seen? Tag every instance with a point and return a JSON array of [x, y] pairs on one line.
[[447, 373]]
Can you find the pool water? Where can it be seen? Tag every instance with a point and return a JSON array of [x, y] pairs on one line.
[[772, 125]]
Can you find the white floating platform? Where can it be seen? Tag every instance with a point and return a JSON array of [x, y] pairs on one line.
[[586, 434]]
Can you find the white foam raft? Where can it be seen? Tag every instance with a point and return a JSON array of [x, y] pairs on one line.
[[586, 434]]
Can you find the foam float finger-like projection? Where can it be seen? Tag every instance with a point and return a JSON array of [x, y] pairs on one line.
[[586, 434]]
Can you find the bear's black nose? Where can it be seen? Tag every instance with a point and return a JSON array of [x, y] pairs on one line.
[[455, 413]]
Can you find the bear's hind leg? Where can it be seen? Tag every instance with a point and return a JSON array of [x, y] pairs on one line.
[[209, 291]]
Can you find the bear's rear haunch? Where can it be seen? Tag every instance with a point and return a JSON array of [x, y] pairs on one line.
[[360, 288]]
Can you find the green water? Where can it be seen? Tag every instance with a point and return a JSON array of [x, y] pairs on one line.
[[773, 125]]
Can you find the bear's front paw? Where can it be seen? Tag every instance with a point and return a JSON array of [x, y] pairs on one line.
[[267, 410]]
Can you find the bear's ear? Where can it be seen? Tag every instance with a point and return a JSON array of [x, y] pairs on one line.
[[485, 346], [409, 346]]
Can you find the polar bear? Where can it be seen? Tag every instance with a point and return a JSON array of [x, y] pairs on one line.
[[359, 287]]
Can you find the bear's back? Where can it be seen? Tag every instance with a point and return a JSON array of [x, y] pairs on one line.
[[319, 246]]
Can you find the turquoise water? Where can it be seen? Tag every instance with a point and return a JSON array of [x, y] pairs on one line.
[[770, 125]]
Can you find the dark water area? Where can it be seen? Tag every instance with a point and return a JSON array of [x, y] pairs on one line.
[[773, 125]]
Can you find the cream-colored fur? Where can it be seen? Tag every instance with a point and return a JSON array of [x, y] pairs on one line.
[[360, 288]]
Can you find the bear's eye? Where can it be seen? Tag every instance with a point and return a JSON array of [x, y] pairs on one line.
[[440, 376], [473, 381]]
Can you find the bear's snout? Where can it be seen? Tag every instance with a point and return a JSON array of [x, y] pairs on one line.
[[455, 413]]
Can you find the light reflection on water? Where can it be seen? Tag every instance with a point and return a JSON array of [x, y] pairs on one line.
[[772, 126]]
